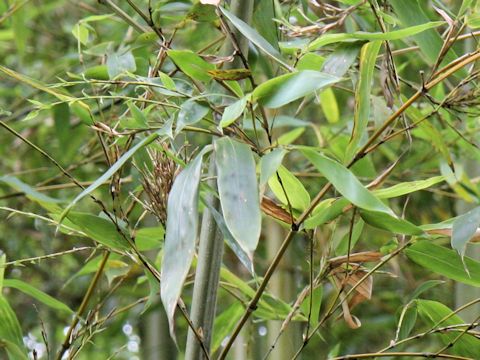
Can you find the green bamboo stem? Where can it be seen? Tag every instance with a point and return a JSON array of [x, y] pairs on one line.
[[211, 241]]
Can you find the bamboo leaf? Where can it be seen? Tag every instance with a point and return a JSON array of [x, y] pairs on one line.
[[341, 59], [238, 190], [380, 36], [436, 315], [387, 222], [225, 323], [181, 234], [345, 182], [269, 164], [37, 294], [113, 169], [10, 331], [297, 194], [252, 35], [407, 187], [233, 112], [363, 92], [191, 64], [284, 89], [463, 229], [445, 262], [329, 105], [190, 113]]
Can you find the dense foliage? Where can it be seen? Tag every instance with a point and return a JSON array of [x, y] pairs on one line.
[[240, 179]]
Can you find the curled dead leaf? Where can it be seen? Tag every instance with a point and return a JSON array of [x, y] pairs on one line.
[[271, 208]]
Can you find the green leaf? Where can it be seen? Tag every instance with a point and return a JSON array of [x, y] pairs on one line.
[[191, 64], [100, 229], [3, 259], [238, 190], [138, 115], [329, 105], [119, 63], [387, 222], [225, 323], [345, 182], [436, 315], [463, 229], [381, 36], [445, 262], [113, 169], [10, 329], [326, 211], [407, 187], [407, 321], [190, 113], [181, 234], [284, 89], [316, 300], [338, 63], [269, 164], [37, 294], [363, 92], [291, 136], [297, 195], [252, 35], [244, 257], [14, 351], [233, 112], [80, 31], [427, 285], [149, 238], [310, 61]]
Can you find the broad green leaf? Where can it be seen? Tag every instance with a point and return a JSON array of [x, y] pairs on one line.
[[473, 21], [387, 222], [445, 262], [269, 164], [326, 211], [264, 20], [338, 63], [113, 169], [149, 238], [181, 234], [233, 112], [284, 89], [81, 32], [119, 63], [244, 257], [291, 136], [190, 113], [310, 61], [345, 182], [363, 92], [10, 328], [37, 294], [191, 64], [329, 105], [138, 115], [433, 314], [380, 36], [252, 35], [225, 323], [238, 190], [463, 229], [407, 321], [298, 197], [100, 229], [407, 187]]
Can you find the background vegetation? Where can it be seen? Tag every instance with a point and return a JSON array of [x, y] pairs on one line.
[[332, 146]]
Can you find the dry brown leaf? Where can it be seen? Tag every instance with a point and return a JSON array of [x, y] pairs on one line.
[[366, 256], [274, 210]]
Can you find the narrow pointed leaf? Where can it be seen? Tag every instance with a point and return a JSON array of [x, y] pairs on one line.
[[238, 190], [445, 262], [190, 113], [345, 182], [363, 92], [392, 35], [284, 89], [112, 170], [407, 187], [191, 64], [10, 329], [298, 196], [181, 234], [37, 294], [252, 35]]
